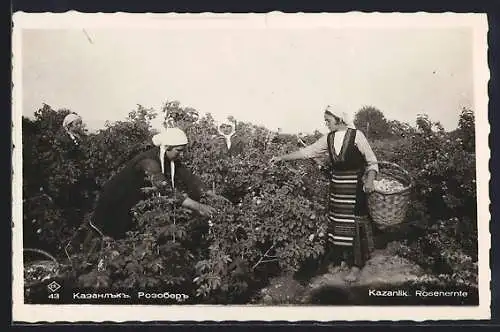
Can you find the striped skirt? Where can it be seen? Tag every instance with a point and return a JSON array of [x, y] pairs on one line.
[[349, 222]]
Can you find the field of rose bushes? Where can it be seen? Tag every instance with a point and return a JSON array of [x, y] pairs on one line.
[[274, 223]]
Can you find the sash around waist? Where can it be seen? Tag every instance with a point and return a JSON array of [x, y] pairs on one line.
[[345, 176]]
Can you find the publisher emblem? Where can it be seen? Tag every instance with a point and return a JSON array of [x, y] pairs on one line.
[[53, 286]]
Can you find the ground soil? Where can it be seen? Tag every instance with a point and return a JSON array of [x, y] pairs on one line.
[[383, 269]]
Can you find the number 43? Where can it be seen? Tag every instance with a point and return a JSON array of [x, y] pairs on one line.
[[54, 296]]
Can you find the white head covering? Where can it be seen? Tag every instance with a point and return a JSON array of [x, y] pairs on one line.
[[227, 137], [341, 115], [169, 137], [70, 118]]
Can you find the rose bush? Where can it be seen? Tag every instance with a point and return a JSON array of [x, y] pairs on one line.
[[275, 220], [57, 189], [442, 165]]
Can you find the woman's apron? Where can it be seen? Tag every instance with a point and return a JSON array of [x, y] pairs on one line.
[[349, 222]]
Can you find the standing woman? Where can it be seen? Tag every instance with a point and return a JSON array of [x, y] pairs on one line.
[[230, 142], [76, 194], [73, 128], [353, 169]]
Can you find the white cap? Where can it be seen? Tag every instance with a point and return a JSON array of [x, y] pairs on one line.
[[344, 116], [170, 137], [70, 118]]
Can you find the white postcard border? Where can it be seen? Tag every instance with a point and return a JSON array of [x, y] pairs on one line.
[[123, 313]]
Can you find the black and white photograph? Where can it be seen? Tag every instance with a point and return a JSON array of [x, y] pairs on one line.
[[213, 166]]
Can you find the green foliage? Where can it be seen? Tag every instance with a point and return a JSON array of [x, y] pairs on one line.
[[157, 254], [372, 122], [443, 254], [466, 129], [443, 167], [399, 129], [57, 191], [444, 171], [275, 220]]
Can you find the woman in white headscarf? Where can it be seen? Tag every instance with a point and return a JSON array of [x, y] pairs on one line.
[[73, 126], [159, 166], [353, 170], [72, 145], [231, 144]]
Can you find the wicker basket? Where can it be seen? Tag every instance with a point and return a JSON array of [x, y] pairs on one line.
[[388, 209], [49, 269]]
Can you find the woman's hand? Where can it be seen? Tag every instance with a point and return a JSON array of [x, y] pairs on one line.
[[368, 187], [156, 185], [202, 209], [205, 210], [219, 197]]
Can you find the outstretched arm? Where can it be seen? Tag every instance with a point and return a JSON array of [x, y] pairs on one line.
[[316, 150], [195, 187], [202, 209], [194, 190], [152, 170]]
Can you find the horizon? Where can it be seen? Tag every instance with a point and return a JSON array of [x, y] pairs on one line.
[[277, 78], [154, 124]]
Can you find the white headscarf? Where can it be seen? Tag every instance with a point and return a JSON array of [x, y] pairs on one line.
[[227, 137], [169, 137], [68, 119], [72, 117], [341, 115]]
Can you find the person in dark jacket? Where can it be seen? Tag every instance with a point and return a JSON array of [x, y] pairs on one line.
[[159, 166], [73, 129], [76, 195]]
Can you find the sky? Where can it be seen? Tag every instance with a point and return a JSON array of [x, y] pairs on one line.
[[280, 78]]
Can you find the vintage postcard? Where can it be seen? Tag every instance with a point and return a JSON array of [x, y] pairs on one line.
[[269, 167]]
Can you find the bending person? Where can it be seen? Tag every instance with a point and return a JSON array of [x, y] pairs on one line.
[[112, 216]]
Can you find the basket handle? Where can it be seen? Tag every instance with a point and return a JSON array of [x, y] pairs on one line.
[[405, 172], [40, 251]]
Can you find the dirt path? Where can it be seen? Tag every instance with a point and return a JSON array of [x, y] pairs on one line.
[[381, 271]]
